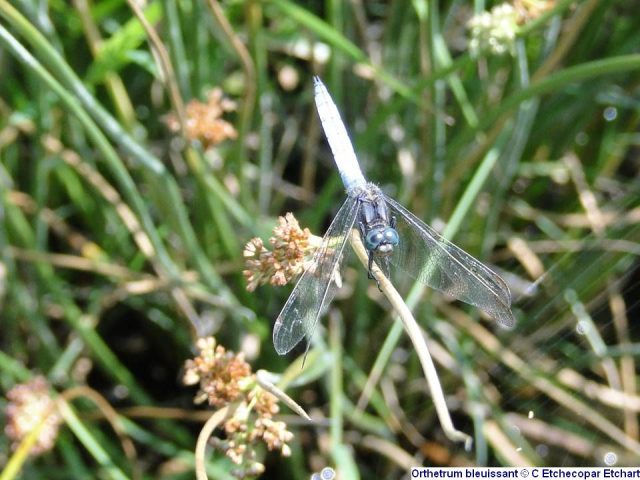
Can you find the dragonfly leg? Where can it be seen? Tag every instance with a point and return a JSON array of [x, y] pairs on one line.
[[363, 234], [370, 252], [392, 222], [362, 230], [369, 274]]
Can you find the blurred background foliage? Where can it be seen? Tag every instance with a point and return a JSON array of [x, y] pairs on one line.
[[142, 144]]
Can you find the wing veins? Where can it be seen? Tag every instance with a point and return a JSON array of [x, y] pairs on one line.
[[308, 281], [492, 282]]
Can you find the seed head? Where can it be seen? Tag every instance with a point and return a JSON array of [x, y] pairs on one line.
[[293, 248], [494, 32], [204, 120], [224, 377], [30, 404], [220, 373]]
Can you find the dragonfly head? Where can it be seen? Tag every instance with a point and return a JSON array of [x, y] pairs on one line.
[[381, 240]]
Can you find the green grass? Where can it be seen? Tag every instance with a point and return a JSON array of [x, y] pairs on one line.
[[122, 241]]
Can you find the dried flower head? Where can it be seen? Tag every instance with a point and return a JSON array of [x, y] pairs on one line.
[[494, 32], [266, 404], [224, 377], [293, 248], [30, 406], [204, 121], [274, 434], [221, 374]]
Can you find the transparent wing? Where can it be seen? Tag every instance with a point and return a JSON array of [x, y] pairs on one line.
[[316, 287], [438, 263]]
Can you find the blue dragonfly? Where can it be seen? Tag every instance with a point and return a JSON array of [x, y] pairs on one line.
[[393, 238]]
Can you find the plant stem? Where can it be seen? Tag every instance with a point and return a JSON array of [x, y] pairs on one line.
[[416, 335]]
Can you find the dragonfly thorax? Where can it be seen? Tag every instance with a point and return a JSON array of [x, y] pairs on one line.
[[377, 227]]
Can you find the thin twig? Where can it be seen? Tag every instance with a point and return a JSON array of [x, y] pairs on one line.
[[541, 431], [390, 450], [165, 64], [415, 334], [111, 416], [502, 443], [74, 262], [572, 29], [214, 421], [245, 59], [264, 380], [627, 363], [113, 82]]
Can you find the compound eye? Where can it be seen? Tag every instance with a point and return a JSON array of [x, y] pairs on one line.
[[373, 239], [391, 236]]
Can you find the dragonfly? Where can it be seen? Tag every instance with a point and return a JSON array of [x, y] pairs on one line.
[[393, 237]]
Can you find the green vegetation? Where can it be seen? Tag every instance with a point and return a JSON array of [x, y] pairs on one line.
[[142, 148]]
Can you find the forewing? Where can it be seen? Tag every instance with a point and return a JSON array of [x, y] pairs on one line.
[[438, 263], [316, 286]]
